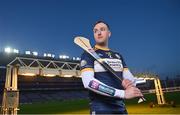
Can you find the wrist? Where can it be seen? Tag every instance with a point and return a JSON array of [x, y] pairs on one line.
[[120, 93]]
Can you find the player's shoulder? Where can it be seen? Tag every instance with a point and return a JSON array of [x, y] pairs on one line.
[[86, 55], [115, 52]]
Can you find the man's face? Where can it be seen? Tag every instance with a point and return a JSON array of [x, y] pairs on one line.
[[101, 33]]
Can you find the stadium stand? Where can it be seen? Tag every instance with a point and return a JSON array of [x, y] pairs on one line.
[[41, 89]]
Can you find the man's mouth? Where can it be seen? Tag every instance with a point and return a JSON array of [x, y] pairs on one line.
[[99, 37]]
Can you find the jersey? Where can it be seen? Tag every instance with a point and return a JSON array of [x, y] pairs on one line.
[[116, 62]]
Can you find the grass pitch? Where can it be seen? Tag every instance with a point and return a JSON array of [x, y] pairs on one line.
[[82, 107]]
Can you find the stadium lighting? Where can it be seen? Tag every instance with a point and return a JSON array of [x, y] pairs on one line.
[[27, 52], [15, 51], [53, 56], [68, 75], [8, 50], [63, 57], [78, 58], [49, 75], [28, 74], [35, 53], [45, 54], [48, 55], [74, 58]]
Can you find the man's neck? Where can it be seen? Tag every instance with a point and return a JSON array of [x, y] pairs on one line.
[[102, 46]]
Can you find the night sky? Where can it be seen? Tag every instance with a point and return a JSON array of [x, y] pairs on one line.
[[145, 32]]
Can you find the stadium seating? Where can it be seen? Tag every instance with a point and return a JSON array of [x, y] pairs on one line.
[[41, 89]]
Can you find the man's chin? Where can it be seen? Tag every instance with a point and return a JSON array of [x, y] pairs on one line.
[[101, 43]]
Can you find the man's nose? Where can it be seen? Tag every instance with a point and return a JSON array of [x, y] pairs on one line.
[[99, 33]]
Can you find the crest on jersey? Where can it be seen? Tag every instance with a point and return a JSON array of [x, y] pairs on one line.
[[83, 63], [109, 54]]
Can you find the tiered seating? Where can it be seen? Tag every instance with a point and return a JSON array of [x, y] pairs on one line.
[[43, 96]]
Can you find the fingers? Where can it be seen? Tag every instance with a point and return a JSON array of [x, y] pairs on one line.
[[138, 95], [132, 92], [127, 83], [137, 92]]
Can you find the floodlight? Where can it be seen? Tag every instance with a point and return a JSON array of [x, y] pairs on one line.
[[45, 54], [35, 53], [15, 51], [78, 58], [63, 56], [49, 75], [28, 74], [60, 56], [67, 75], [53, 56], [27, 52], [48, 55], [74, 58], [7, 50]]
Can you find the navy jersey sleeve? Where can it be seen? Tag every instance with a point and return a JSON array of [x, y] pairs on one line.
[[86, 61], [123, 62]]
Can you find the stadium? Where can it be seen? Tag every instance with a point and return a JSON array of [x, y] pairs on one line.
[[52, 85], [89, 57]]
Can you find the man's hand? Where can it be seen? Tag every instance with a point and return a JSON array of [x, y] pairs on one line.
[[132, 92], [127, 83]]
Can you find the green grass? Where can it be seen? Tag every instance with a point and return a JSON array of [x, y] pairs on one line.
[[54, 107], [81, 106]]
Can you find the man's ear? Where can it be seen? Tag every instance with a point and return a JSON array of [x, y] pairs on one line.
[[109, 33]]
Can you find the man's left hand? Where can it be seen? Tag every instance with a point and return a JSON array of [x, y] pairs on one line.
[[126, 83]]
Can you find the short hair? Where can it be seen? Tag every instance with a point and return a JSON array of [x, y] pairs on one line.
[[101, 21]]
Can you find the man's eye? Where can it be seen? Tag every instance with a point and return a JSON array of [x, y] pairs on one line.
[[95, 31], [103, 29]]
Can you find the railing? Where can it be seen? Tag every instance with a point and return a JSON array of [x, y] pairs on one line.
[[169, 89]]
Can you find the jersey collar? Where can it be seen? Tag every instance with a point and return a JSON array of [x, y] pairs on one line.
[[101, 48]]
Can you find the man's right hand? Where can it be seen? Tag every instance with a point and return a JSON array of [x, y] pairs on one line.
[[132, 92]]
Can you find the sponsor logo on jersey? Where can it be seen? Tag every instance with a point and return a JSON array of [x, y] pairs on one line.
[[115, 64], [95, 85]]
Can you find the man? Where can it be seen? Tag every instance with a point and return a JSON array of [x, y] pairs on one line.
[[107, 93]]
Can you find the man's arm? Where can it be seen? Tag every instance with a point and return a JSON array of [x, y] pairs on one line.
[[95, 85], [128, 75], [89, 82]]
